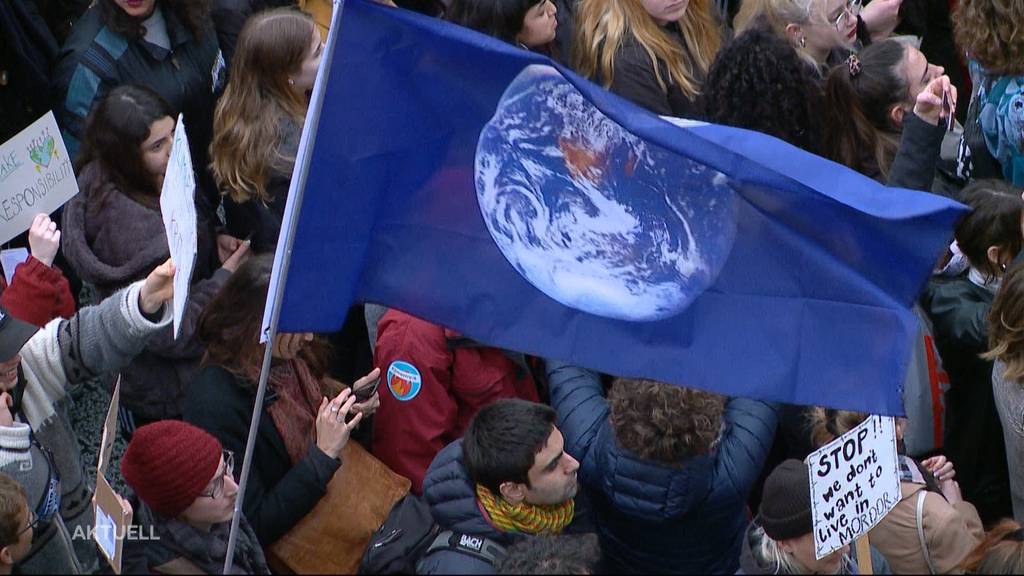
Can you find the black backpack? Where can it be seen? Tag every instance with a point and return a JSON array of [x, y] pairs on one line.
[[410, 533]]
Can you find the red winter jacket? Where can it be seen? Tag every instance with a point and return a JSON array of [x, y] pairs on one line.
[[433, 382], [38, 293]]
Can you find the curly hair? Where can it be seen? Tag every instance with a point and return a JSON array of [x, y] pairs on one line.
[[759, 82], [193, 13], [662, 422], [990, 32], [561, 554]]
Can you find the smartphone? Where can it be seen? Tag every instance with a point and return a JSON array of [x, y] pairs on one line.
[[947, 110], [366, 392]]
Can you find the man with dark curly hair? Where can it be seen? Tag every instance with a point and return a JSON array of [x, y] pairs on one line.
[[667, 469]]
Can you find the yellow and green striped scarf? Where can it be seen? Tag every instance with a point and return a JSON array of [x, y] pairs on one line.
[[523, 517]]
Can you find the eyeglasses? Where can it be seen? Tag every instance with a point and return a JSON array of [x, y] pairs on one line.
[[218, 483], [851, 10], [33, 522]]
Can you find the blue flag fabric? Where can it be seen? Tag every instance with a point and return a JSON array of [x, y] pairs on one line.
[[485, 188]]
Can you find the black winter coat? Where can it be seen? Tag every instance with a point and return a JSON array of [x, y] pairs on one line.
[[95, 59], [278, 494], [974, 436], [635, 79]]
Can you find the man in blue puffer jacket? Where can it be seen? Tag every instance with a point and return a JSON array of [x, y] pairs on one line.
[[667, 469]]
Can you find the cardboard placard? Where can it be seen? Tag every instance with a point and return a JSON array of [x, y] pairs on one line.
[[178, 207], [112, 519], [855, 482], [35, 176]]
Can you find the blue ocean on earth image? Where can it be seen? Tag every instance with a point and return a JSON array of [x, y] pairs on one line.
[[592, 216]]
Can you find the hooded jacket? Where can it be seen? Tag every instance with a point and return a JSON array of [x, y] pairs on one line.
[[120, 244], [973, 436], [434, 382], [453, 503], [652, 517]]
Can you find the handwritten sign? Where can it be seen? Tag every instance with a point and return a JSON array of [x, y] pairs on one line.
[[855, 482], [178, 207], [112, 518], [35, 176]]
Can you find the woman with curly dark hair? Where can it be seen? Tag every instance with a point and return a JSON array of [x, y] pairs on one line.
[[667, 469], [989, 31], [168, 46], [759, 82]]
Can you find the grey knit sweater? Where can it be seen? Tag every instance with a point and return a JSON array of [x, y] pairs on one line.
[[98, 339]]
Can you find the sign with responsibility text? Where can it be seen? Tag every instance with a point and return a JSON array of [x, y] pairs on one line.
[[35, 176], [855, 482], [178, 206]]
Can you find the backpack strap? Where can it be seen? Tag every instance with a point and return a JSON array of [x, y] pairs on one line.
[[477, 546], [920, 530]]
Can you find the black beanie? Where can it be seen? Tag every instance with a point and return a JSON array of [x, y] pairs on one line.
[[785, 510]]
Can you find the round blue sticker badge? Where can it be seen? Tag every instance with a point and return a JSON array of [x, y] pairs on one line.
[[404, 380]]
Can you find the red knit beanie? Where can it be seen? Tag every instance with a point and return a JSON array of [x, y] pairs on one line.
[[169, 463]]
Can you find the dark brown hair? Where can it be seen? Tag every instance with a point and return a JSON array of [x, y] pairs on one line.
[[857, 107], [662, 422], [230, 324], [114, 134], [195, 14], [1001, 552], [994, 220], [12, 504]]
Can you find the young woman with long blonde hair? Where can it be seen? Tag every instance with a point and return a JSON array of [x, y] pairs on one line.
[[259, 120], [653, 52]]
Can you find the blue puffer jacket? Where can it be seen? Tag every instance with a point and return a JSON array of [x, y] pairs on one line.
[[452, 499], [654, 518]]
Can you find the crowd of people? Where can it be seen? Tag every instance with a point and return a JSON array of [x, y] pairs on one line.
[[527, 464]]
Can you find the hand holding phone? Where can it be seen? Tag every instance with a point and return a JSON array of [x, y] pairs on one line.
[[366, 387], [948, 110]]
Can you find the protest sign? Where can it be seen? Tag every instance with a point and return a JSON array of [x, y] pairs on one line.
[[35, 176], [178, 207], [855, 482], [10, 259], [112, 517]]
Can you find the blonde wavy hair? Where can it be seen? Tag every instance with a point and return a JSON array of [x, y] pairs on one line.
[[777, 14], [603, 25], [992, 32], [245, 145], [1006, 325], [827, 424]]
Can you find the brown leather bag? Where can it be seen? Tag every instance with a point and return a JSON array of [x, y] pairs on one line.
[[331, 539]]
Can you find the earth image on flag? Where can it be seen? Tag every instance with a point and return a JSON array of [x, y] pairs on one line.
[[593, 216]]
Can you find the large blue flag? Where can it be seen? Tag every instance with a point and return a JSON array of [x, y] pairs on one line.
[[485, 188]]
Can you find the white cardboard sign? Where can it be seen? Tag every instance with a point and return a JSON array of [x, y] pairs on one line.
[[178, 207], [35, 176], [855, 482]]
